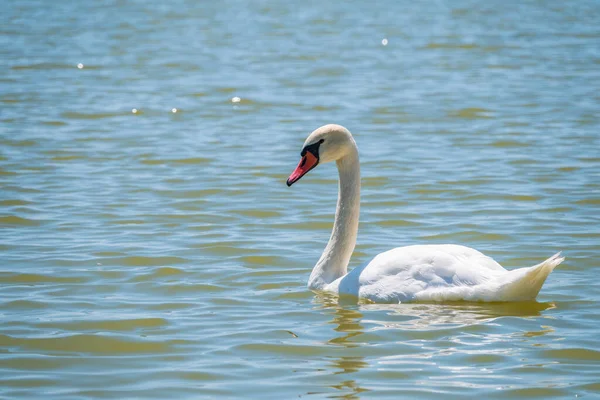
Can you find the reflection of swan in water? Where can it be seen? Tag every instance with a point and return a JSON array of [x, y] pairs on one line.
[[408, 341], [441, 316], [425, 316], [429, 329], [347, 323]]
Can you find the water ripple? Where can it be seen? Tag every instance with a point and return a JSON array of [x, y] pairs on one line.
[[151, 249]]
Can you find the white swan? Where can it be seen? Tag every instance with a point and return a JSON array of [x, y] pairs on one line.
[[412, 273]]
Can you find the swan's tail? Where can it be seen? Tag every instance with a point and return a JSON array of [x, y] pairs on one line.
[[525, 283]]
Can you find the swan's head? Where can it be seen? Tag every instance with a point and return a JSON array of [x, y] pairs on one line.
[[328, 143]]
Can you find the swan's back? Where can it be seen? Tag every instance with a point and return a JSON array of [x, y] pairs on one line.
[[425, 272]]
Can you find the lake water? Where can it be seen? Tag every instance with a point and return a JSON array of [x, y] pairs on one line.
[[149, 247]]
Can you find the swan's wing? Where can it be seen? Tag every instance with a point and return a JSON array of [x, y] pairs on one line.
[[401, 273]]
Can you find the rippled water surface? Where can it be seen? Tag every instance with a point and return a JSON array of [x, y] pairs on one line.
[[149, 247]]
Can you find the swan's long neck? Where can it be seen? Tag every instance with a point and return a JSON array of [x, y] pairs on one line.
[[336, 256]]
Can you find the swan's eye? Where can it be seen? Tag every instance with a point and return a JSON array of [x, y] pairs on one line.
[[312, 148]]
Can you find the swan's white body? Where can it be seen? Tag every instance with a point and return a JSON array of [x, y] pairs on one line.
[[412, 273], [441, 273]]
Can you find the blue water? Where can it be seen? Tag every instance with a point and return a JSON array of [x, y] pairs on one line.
[[149, 247]]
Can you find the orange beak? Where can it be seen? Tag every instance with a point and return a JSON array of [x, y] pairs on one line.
[[307, 162]]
